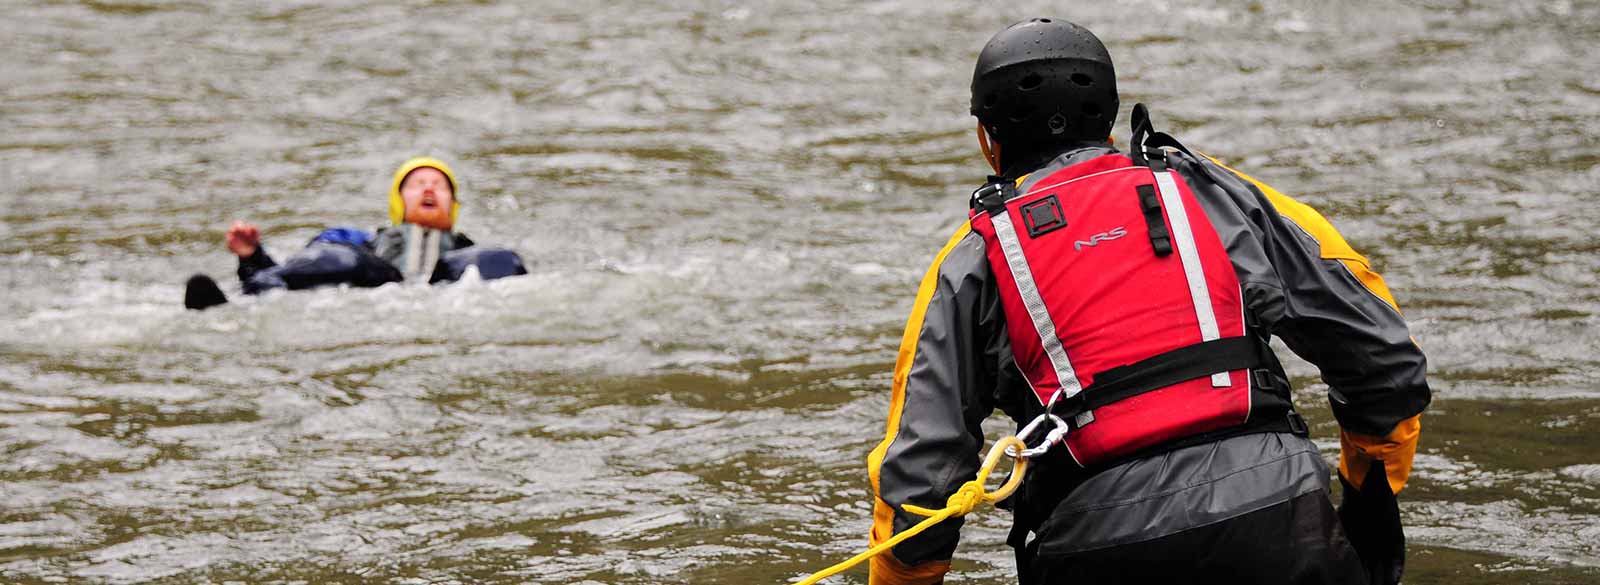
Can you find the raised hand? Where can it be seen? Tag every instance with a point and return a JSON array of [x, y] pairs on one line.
[[243, 239]]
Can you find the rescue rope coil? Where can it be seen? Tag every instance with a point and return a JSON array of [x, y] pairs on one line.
[[971, 494]]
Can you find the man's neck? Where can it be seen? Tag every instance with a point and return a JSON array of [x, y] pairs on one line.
[[1037, 159]]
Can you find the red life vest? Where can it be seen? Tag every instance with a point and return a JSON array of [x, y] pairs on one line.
[[1119, 294]]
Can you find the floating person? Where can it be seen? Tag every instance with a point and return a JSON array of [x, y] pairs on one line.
[[1132, 296], [420, 246]]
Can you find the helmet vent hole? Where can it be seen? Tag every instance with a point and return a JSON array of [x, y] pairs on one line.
[[1030, 82], [990, 100], [1021, 113], [1045, 20], [1091, 110], [1082, 80]]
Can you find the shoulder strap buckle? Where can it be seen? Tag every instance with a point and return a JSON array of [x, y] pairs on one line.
[[1147, 143], [992, 196]]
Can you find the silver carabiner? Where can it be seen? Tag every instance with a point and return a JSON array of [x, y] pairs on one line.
[[1056, 434]]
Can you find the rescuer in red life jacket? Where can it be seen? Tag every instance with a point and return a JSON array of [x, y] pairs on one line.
[[1132, 296]]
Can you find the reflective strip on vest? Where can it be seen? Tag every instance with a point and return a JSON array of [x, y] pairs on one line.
[[1189, 256], [1022, 276], [421, 252]]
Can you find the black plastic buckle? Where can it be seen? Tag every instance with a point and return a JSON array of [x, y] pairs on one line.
[[1297, 424], [992, 196], [1156, 159], [1263, 379]]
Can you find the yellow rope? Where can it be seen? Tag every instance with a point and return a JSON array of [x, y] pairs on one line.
[[961, 503]]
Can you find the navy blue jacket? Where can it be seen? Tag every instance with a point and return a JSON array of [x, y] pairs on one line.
[[344, 256]]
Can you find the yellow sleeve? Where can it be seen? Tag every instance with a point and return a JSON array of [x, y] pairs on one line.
[[882, 513]]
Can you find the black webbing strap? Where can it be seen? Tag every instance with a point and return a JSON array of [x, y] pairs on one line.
[[1143, 153], [992, 196], [1150, 204], [1179, 365], [1147, 143]]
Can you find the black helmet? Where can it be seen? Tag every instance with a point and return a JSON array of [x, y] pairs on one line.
[[1043, 82]]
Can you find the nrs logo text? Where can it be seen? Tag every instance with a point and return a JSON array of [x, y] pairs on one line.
[[1095, 240]]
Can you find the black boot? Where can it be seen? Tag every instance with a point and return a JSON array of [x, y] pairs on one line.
[[202, 293]]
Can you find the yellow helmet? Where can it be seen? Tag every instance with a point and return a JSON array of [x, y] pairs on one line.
[[397, 206]]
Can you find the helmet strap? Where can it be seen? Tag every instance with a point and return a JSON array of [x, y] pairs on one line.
[[991, 149]]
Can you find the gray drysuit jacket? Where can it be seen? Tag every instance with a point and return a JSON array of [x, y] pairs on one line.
[[1301, 281]]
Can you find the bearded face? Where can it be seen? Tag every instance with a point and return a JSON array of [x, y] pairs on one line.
[[428, 198]]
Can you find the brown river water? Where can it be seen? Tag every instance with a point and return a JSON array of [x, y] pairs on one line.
[[726, 207]]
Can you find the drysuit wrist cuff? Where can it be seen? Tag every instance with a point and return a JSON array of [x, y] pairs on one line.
[[1396, 450], [887, 570]]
